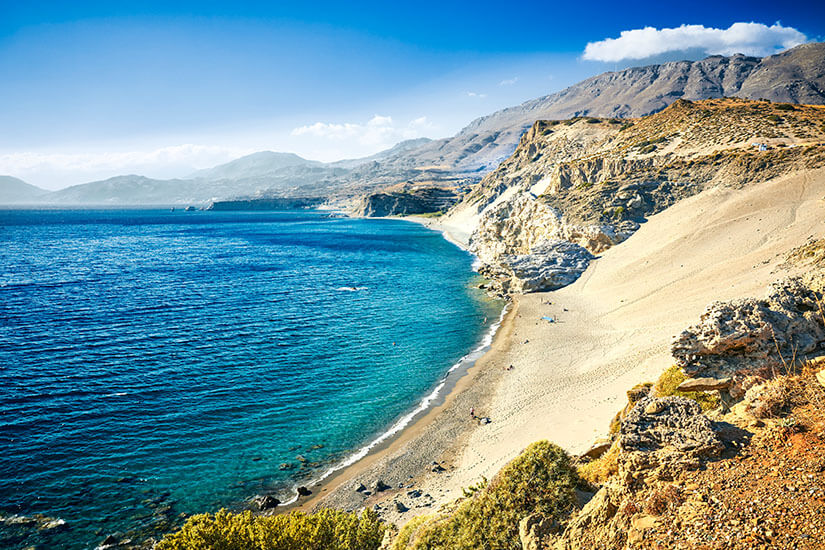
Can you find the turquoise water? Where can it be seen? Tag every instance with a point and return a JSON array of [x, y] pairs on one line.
[[158, 363]]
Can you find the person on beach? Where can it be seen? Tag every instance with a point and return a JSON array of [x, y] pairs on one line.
[[472, 412]]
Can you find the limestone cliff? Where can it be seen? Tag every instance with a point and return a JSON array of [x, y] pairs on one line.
[[406, 201], [592, 181]]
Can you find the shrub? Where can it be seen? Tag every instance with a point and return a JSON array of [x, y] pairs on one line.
[[785, 107], [625, 126], [661, 499], [540, 480], [600, 470], [323, 530], [774, 118], [647, 149], [670, 380]]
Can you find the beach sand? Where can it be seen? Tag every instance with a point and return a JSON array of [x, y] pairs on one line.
[[613, 328]]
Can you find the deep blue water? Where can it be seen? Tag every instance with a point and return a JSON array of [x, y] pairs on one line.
[[157, 363]]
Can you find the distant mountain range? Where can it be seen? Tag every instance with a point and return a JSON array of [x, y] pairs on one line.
[[794, 76], [17, 191]]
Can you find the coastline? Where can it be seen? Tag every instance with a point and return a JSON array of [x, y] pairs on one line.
[[411, 424], [611, 329], [437, 436]]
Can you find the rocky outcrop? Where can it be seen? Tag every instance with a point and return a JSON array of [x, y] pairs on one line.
[[415, 201], [275, 203], [592, 181], [763, 337], [662, 436], [548, 266], [659, 439]]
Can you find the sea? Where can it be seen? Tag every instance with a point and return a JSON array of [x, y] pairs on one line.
[[155, 363]]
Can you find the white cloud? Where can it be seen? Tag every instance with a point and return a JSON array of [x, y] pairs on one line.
[[476, 94], [746, 38], [508, 81], [379, 131]]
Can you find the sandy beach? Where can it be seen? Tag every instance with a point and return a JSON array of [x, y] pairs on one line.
[[612, 329]]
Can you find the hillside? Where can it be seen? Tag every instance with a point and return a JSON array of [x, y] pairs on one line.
[[17, 191], [591, 181], [797, 75]]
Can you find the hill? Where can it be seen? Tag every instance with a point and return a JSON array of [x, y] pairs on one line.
[[592, 182], [797, 76], [17, 191]]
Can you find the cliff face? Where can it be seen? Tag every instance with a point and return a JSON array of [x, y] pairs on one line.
[[592, 181], [405, 202]]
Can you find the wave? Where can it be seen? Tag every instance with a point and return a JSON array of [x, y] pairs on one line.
[[350, 288], [466, 361]]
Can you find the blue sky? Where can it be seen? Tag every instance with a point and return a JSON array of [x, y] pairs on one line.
[[94, 89]]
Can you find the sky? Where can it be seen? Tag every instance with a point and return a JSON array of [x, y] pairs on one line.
[[91, 90]]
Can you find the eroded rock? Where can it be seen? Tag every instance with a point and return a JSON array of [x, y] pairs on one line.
[[755, 337]]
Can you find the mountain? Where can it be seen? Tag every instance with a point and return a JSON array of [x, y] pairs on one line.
[[130, 189], [17, 191], [256, 165], [796, 75], [399, 148]]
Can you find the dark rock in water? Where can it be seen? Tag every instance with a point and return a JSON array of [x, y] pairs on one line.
[[316, 447], [190, 209], [303, 491], [400, 506], [267, 502], [257, 458], [301, 458], [361, 488], [109, 541], [286, 466], [381, 486]]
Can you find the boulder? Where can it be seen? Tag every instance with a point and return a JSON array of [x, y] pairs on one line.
[[381, 486], [534, 529], [361, 488], [267, 502], [598, 448], [755, 337], [549, 266], [303, 491], [661, 436], [400, 507], [704, 384]]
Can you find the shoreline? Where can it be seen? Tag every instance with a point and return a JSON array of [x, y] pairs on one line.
[[332, 491], [411, 422]]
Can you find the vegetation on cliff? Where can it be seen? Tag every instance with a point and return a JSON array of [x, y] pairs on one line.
[[540, 481], [323, 530]]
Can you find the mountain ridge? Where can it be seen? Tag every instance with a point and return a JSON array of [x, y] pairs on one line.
[[796, 76]]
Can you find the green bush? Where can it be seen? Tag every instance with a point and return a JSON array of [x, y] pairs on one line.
[[540, 480], [774, 118], [670, 380], [785, 107], [323, 530]]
